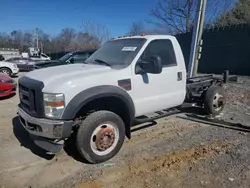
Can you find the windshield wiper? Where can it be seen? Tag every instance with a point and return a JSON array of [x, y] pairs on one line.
[[102, 62]]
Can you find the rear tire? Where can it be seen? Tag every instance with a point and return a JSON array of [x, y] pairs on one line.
[[6, 71], [100, 136], [30, 68], [214, 100]]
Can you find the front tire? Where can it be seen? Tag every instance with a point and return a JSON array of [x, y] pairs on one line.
[[100, 136], [214, 100], [6, 71]]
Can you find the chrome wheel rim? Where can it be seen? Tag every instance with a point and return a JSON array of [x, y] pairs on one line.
[[218, 102], [104, 138], [4, 71]]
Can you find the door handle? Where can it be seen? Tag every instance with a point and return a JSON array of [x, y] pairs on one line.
[[179, 76]]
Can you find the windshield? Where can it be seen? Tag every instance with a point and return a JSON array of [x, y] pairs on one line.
[[65, 57], [117, 52], [11, 59]]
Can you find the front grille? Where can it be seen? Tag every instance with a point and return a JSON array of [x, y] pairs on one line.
[[25, 95], [30, 94]]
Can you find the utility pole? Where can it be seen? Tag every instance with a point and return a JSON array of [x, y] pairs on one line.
[[37, 44], [41, 47], [196, 39]]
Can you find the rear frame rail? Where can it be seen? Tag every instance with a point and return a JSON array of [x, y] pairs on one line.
[[216, 122]]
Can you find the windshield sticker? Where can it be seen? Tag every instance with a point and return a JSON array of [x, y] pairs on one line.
[[129, 49]]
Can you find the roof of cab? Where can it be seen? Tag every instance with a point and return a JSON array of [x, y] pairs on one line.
[[148, 37]]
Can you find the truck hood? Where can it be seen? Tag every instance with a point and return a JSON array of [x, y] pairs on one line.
[[67, 73]]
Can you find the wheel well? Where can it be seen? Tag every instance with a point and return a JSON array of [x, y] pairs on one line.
[[113, 104], [6, 68]]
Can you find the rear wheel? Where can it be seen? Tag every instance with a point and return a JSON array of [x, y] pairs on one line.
[[100, 137], [215, 100], [30, 68], [5, 71]]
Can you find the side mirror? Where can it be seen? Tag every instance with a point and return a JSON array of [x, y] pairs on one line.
[[153, 66]]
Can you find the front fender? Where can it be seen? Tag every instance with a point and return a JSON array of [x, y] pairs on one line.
[[97, 92]]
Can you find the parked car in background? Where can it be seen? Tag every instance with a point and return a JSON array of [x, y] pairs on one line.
[[23, 63], [41, 57], [69, 58], [8, 68], [7, 85]]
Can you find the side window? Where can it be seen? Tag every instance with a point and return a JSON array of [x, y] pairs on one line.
[[164, 49], [80, 58], [15, 59]]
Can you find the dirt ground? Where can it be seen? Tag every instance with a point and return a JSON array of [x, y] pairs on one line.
[[171, 152]]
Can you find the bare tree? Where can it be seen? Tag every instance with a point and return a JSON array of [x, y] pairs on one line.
[[177, 16], [4, 39], [28, 38], [238, 15], [65, 38], [17, 39], [83, 41], [137, 28], [97, 31], [91, 37]]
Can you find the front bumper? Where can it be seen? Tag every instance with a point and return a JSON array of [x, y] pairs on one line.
[[15, 71], [52, 129], [47, 134], [6, 92]]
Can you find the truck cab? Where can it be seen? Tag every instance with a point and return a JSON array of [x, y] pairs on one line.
[[101, 99], [160, 89]]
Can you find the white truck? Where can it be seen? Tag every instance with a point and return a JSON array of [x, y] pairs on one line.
[[101, 99]]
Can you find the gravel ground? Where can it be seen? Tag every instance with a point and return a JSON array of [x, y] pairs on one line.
[[238, 104], [171, 152]]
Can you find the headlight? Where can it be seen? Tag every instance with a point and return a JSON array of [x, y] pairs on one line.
[[15, 65], [53, 104]]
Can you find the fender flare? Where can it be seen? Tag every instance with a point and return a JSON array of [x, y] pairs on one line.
[[97, 92]]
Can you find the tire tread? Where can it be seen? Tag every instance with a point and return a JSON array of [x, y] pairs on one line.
[[208, 99], [84, 131]]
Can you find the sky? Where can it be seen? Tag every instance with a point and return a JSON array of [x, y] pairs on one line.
[[53, 15]]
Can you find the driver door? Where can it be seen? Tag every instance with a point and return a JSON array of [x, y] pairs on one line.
[[154, 92]]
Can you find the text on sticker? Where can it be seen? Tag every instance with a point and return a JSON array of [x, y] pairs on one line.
[[129, 49]]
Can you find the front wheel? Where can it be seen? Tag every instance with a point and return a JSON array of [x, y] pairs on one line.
[[214, 100], [5, 71], [100, 137]]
